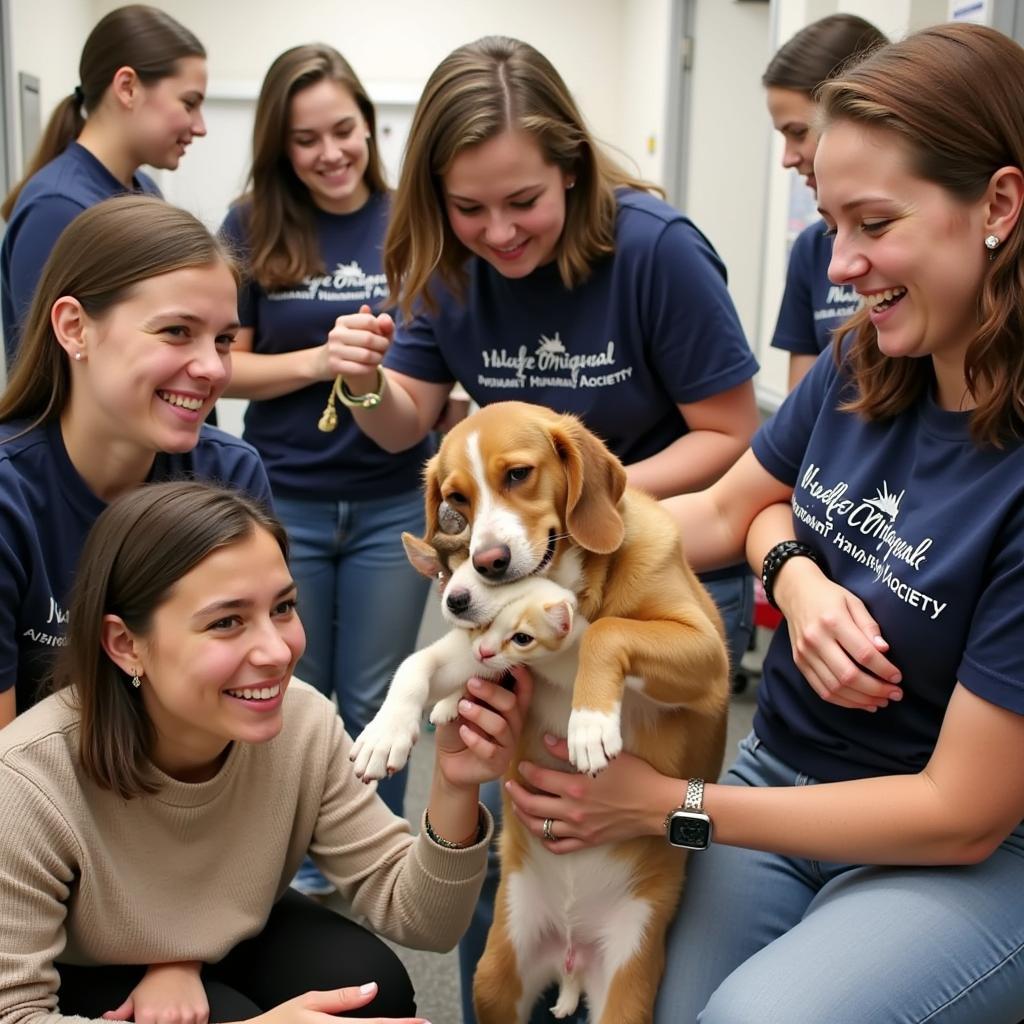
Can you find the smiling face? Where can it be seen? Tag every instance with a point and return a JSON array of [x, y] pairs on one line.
[[792, 113], [218, 656], [328, 146], [506, 204], [910, 248], [155, 363], [169, 115]]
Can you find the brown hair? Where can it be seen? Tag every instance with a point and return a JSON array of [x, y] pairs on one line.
[[477, 92], [281, 227], [820, 51], [97, 259], [143, 38], [141, 545], [952, 96]]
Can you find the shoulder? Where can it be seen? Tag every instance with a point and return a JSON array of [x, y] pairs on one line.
[[813, 244], [236, 222], [43, 741], [22, 452], [646, 222], [310, 718], [218, 447]]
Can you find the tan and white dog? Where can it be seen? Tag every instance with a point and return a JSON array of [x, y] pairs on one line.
[[542, 495]]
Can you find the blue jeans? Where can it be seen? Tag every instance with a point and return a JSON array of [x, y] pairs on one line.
[[360, 600], [735, 600], [784, 940]]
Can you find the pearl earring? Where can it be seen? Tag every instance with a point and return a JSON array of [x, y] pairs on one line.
[[78, 356]]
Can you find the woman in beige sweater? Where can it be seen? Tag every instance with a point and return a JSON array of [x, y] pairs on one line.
[[154, 808]]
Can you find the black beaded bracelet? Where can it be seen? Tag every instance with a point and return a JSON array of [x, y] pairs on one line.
[[481, 831], [777, 558]]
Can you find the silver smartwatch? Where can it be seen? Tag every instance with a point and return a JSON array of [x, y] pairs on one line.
[[689, 826]]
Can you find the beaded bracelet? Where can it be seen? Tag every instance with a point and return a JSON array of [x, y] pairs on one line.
[[481, 831], [777, 558]]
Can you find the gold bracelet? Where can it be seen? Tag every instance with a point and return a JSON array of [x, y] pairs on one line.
[[341, 393]]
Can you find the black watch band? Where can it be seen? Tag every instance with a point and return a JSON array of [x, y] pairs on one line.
[[777, 558]]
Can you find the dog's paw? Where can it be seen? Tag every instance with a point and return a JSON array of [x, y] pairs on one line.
[[446, 710], [568, 998], [595, 738], [383, 747]]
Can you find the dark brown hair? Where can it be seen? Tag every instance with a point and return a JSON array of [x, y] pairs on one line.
[[820, 51], [141, 545], [477, 92], [282, 231], [145, 39], [951, 96], [97, 259]]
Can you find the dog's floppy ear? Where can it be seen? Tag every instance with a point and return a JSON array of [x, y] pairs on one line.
[[431, 495], [595, 481], [422, 556]]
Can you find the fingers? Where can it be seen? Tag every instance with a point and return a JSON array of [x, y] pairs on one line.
[[871, 654], [123, 1012], [550, 831], [339, 1000]]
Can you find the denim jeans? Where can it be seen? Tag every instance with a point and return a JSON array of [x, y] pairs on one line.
[[735, 600], [360, 601], [785, 940]]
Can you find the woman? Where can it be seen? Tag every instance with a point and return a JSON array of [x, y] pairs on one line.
[[126, 349], [312, 227], [142, 78], [812, 307], [163, 797], [528, 266], [881, 803]]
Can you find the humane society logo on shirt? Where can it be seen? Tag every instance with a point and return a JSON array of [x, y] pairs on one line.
[[551, 365], [865, 530], [841, 302], [57, 617], [348, 283]]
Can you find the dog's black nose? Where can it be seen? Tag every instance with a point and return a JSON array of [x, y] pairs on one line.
[[492, 563], [458, 601]]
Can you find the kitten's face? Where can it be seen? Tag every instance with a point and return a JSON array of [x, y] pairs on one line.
[[526, 629]]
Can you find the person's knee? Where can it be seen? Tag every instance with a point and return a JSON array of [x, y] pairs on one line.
[[395, 995]]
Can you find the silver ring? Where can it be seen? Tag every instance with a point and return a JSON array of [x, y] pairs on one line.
[[546, 830]]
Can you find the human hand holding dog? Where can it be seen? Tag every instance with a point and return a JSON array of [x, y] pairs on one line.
[[628, 799], [836, 642], [355, 348]]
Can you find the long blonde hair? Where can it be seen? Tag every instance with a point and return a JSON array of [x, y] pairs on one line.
[[477, 92], [952, 95], [281, 226]]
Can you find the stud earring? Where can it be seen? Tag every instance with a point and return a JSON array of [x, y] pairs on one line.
[[571, 183], [136, 681], [78, 357], [992, 243]]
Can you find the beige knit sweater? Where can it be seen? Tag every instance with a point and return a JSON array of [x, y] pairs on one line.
[[89, 878]]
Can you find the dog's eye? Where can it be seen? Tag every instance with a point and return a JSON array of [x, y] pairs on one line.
[[517, 474], [455, 498], [522, 639]]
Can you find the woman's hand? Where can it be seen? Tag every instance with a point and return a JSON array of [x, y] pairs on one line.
[[589, 810], [355, 348], [480, 745], [837, 645], [168, 994], [324, 1007]]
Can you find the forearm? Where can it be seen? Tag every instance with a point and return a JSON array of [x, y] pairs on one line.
[[690, 463], [257, 375], [900, 819], [770, 527], [710, 540], [398, 422], [454, 811]]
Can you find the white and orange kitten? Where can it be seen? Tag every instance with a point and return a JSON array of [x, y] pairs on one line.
[[536, 621]]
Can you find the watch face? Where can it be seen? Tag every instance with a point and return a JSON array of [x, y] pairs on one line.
[[690, 830]]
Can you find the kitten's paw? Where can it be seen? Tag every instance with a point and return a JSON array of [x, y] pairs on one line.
[[446, 710], [383, 747], [595, 738]]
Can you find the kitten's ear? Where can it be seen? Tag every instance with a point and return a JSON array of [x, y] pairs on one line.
[[422, 556], [559, 615]]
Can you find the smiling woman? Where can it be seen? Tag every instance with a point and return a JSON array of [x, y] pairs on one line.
[[179, 757], [127, 348], [142, 80]]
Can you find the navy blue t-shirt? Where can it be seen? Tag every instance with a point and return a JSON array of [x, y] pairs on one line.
[[812, 307], [51, 199], [927, 529], [652, 327], [46, 510], [302, 461]]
